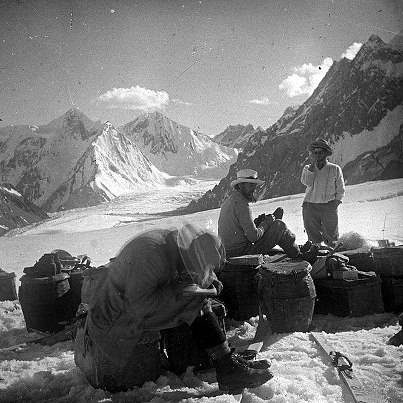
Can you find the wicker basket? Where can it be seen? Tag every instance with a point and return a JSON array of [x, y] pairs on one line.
[[183, 351], [45, 302], [392, 293], [8, 290], [287, 295], [76, 278], [240, 290]]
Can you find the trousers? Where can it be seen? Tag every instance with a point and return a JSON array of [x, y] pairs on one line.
[[277, 234], [321, 222], [144, 360]]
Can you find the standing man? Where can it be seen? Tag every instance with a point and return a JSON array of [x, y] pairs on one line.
[[238, 230], [324, 192]]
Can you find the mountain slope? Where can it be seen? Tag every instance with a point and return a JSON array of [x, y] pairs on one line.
[[16, 211], [235, 136], [73, 162], [357, 107], [36, 160], [381, 164], [176, 149]]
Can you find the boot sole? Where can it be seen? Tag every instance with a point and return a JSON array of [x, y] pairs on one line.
[[236, 389]]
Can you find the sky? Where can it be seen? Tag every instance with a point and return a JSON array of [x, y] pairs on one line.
[[206, 64], [36, 373]]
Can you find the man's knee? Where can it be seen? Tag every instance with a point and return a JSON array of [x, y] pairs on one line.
[[277, 226]]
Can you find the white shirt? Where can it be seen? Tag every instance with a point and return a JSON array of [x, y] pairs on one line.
[[323, 185]]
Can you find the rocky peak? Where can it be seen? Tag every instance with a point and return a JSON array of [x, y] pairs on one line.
[[235, 135], [376, 49], [73, 124], [177, 149], [108, 127]]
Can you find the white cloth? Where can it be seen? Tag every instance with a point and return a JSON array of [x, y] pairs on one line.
[[323, 185]]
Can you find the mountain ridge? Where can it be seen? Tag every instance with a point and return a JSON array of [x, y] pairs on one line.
[[235, 136], [74, 162], [177, 149], [357, 107]]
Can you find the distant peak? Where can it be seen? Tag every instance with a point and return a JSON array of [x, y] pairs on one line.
[[73, 111], [374, 42], [376, 39], [108, 126]]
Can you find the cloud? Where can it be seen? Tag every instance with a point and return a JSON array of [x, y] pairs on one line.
[[263, 101], [305, 78], [135, 98], [352, 51], [179, 102]]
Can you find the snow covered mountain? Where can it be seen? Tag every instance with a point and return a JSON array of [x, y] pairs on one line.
[[357, 107], [178, 150], [73, 162], [16, 211], [235, 136]]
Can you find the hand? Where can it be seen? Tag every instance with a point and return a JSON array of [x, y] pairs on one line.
[[313, 162], [207, 306], [336, 202], [259, 219], [269, 218], [218, 286]]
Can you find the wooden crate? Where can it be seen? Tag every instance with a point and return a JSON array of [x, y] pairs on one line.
[[362, 259], [389, 261], [349, 297]]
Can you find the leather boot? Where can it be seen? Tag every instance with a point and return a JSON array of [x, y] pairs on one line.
[[233, 376], [278, 213], [251, 362], [254, 364], [305, 247]]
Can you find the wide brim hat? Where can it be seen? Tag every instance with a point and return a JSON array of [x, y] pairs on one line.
[[321, 143], [246, 175]]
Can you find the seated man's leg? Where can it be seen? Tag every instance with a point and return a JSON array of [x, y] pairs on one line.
[[208, 334], [277, 234], [232, 373]]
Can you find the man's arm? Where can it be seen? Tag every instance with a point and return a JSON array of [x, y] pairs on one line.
[[340, 187], [249, 228], [307, 176], [252, 232]]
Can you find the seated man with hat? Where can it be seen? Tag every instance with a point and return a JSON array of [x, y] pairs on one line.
[[238, 230], [324, 192]]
